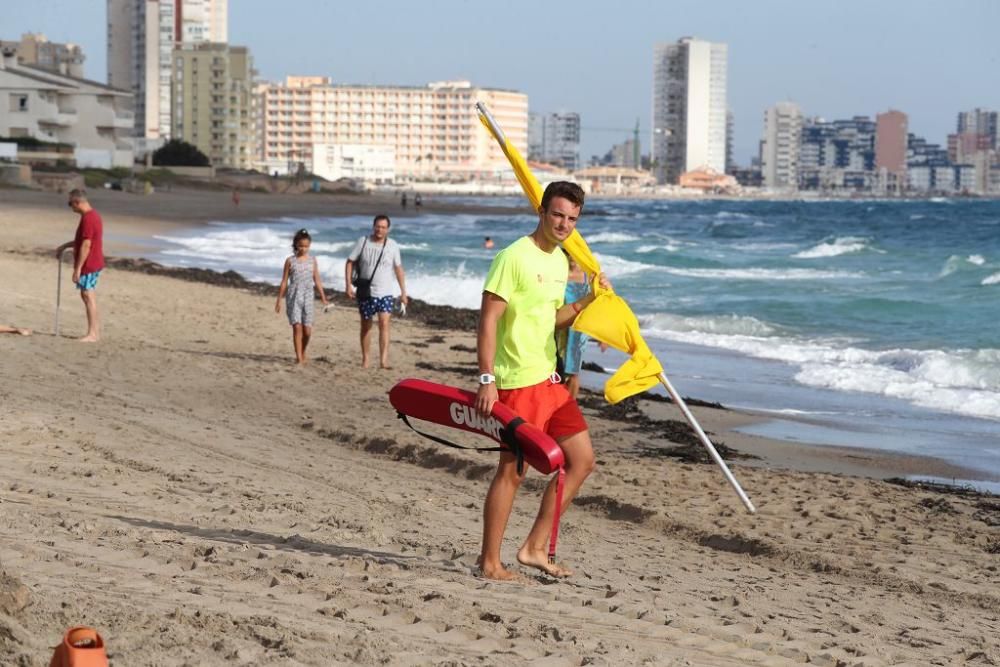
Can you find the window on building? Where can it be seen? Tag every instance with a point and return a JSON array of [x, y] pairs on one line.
[[18, 102]]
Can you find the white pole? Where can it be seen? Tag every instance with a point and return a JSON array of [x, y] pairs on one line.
[[708, 443]]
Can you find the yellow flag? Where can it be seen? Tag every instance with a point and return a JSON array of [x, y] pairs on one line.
[[608, 319], [611, 321]]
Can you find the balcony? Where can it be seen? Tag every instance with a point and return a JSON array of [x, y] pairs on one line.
[[59, 118]]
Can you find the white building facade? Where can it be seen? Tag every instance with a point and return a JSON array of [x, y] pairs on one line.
[[689, 108], [370, 164], [779, 152], [433, 130], [142, 35], [92, 118]]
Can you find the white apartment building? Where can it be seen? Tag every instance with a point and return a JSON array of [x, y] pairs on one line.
[[90, 117], [371, 164], [689, 108], [433, 130], [779, 150], [142, 35]]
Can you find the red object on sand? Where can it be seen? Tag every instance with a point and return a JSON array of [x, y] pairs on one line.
[[81, 647], [453, 407]]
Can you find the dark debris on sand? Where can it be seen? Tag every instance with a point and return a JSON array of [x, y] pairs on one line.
[[964, 490], [685, 446]]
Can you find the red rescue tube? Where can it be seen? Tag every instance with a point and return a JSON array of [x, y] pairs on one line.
[[455, 408]]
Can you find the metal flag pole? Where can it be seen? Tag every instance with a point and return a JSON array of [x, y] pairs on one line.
[[679, 402]]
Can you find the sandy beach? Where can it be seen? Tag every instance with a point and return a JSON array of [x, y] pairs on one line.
[[187, 491]]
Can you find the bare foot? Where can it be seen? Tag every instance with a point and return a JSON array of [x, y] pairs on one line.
[[500, 573], [540, 560], [89, 338], [24, 332], [385, 367], [364, 363]]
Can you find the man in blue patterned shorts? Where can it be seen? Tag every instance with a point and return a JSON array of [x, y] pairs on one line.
[[377, 258]]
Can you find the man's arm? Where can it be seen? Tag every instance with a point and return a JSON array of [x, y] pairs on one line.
[[490, 312], [401, 279]]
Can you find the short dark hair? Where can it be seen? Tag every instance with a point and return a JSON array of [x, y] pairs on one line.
[[382, 216], [564, 189], [78, 194], [301, 235]]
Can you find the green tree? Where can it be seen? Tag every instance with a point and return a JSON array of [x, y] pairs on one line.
[[177, 153]]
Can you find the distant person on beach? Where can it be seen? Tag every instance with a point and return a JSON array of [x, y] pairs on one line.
[[569, 342], [488, 243], [236, 197], [368, 274], [88, 259], [402, 201], [298, 280], [523, 303], [418, 201], [14, 330]]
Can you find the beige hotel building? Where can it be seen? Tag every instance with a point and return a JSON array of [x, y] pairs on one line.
[[433, 130]]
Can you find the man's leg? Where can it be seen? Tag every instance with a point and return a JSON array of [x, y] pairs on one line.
[[89, 298], [496, 512], [580, 463], [383, 339], [14, 330], [297, 342], [366, 329]]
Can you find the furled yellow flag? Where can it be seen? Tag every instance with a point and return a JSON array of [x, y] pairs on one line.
[[608, 319]]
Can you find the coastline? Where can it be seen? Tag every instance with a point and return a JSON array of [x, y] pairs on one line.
[[136, 218], [184, 489]]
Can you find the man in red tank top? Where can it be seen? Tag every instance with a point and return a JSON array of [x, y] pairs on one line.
[[88, 259]]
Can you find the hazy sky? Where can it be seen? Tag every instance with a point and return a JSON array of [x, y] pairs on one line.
[[836, 58]]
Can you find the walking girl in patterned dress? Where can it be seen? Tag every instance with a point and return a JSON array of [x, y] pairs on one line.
[[299, 279]]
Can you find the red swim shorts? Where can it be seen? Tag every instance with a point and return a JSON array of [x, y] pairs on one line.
[[548, 406]]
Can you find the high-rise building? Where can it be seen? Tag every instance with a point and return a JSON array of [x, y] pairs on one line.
[[689, 108], [730, 126], [202, 21], [214, 102], [890, 149], [434, 129], [142, 35], [779, 150], [980, 122], [37, 51], [555, 138], [837, 154]]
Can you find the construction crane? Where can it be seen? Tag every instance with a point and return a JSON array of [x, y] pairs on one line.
[[633, 131]]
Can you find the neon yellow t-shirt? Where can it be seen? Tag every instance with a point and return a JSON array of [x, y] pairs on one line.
[[533, 283]]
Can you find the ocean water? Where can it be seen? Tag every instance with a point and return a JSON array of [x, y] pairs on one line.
[[873, 323]]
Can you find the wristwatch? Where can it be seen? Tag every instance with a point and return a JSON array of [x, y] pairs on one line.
[[487, 378]]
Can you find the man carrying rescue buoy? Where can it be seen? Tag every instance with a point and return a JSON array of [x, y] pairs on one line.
[[522, 306]]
